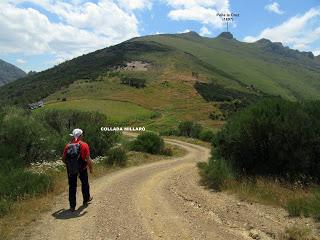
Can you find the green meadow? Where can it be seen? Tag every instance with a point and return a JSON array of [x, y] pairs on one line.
[[114, 110]]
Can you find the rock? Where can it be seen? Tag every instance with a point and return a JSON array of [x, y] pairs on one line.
[[254, 234]]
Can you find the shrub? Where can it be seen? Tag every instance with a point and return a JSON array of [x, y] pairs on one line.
[[134, 82], [64, 121], [148, 142], [206, 135], [170, 132], [215, 173], [117, 156], [19, 183], [273, 138], [189, 129], [24, 138], [217, 116]]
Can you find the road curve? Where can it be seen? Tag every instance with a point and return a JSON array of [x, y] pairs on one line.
[[161, 200]]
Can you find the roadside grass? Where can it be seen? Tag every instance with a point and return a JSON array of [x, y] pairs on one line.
[[24, 212], [298, 233], [299, 200], [266, 191], [306, 206]]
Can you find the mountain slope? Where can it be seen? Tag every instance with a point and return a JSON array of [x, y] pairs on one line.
[[171, 78], [9, 72], [268, 66]]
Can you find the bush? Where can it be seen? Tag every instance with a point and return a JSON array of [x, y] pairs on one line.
[[134, 82], [23, 138], [64, 121], [117, 156], [19, 183], [170, 132], [189, 129], [215, 173], [273, 138], [148, 142], [206, 135]]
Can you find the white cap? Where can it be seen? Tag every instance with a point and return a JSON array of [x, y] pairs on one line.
[[76, 133]]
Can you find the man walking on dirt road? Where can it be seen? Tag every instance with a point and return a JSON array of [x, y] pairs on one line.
[[76, 156]]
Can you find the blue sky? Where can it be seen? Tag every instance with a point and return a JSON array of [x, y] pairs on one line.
[[38, 34]]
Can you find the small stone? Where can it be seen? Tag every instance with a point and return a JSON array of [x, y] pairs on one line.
[[254, 234]]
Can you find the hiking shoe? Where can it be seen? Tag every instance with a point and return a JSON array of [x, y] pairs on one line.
[[72, 209], [87, 202]]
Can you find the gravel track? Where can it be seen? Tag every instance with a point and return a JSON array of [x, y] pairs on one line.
[[161, 200]]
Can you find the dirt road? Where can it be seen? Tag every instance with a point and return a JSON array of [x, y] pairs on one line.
[[162, 200]]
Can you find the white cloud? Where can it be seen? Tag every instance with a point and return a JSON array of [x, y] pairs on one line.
[[135, 4], [185, 31], [20, 61], [82, 27], [203, 11], [204, 31], [274, 7], [298, 32]]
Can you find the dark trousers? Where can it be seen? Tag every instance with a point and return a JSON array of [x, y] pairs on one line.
[[72, 179]]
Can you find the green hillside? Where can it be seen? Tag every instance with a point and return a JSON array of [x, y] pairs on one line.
[[157, 81], [9, 72], [267, 66]]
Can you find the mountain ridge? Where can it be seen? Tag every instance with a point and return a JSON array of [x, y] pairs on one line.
[[9, 72], [262, 67]]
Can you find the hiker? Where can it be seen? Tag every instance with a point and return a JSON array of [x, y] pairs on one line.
[[76, 156]]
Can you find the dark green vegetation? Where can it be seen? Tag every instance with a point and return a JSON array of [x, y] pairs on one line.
[[27, 138], [269, 152], [9, 72], [87, 67], [229, 100], [273, 138], [192, 130], [117, 156], [134, 82], [20, 184], [148, 142]]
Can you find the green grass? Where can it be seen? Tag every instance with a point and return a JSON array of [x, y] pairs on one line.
[[114, 110], [168, 92], [269, 72], [308, 207]]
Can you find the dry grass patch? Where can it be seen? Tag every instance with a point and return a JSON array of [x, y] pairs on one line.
[[266, 191]]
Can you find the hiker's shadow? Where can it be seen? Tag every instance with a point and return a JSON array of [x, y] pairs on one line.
[[67, 214]]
